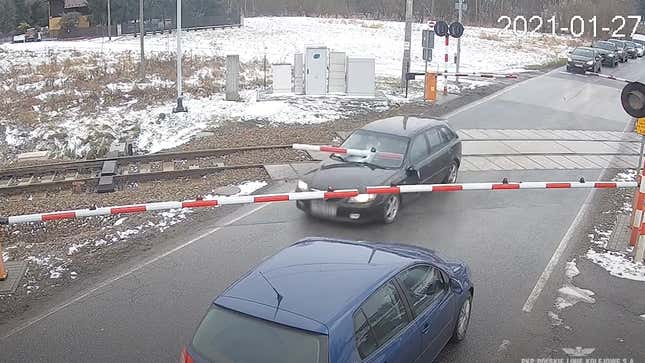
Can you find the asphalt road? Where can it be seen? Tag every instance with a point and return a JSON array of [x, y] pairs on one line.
[[147, 312]]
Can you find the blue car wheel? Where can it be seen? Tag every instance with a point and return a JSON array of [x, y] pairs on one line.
[[461, 326]]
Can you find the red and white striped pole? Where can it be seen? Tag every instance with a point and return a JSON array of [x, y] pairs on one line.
[[638, 211], [476, 74], [445, 77], [637, 237], [309, 195]]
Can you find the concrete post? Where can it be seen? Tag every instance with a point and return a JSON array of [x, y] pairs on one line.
[[409, 6], [232, 77]]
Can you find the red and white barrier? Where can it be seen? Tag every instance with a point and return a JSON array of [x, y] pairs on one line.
[[476, 74], [314, 195], [345, 151], [608, 77]]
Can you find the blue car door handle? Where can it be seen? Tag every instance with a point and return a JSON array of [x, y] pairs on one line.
[[425, 328]]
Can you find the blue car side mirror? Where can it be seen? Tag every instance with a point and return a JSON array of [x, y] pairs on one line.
[[456, 286]]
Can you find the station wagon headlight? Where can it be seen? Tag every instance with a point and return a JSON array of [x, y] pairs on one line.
[[302, 185], [589, 63], [362, 198]]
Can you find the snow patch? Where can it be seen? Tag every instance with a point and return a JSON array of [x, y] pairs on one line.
[[628, 175], [571, 295], [121, 220], [504, 346], [75, 247], [57, 272], [5, 256], [571, 270], [617, 264], [555, 319]]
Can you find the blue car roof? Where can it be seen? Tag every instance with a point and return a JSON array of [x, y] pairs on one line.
[[319, 279]]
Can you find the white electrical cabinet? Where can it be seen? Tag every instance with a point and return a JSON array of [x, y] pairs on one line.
[[337, 72], [316, 60], [281, 78], [298, 74], [360, 77]]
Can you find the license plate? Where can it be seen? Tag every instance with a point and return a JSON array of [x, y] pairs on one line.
[[323, 208]]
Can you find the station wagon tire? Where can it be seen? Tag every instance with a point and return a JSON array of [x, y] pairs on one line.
[[461, 326], [453, 172], [391, 208]]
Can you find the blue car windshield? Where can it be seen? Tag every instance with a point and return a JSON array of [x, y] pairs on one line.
[[225, 336], [389, 149]]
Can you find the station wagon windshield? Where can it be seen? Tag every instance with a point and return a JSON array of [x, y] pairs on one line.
[[382, 144], [223, 332]]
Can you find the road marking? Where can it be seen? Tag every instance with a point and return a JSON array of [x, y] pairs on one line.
[[562, 246], [129, 272]]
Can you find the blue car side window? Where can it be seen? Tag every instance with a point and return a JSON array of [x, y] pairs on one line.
[[385, 315], [423, 285], [365, 341]]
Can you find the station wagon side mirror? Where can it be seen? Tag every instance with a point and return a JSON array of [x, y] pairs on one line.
[[411, 171], [456, 286]]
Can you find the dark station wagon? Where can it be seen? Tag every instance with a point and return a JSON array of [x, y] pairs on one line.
[[429, 152]]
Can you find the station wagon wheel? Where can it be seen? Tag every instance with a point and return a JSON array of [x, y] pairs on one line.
[[453, 171], [391, 208], [462, 320]]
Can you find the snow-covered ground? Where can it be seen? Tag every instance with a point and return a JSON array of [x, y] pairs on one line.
[[57, 119]]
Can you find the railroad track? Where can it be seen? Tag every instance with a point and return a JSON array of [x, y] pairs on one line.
[[127, 168]]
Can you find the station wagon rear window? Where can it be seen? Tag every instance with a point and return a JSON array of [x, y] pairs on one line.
[[225, 336]]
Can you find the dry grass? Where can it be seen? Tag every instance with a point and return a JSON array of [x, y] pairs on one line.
[[80, 82], [372, 25], [490, 36]]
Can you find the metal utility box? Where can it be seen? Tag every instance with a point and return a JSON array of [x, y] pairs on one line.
[[337, 72], [316, 60], [360, 77], [298, 74], [281, 78]]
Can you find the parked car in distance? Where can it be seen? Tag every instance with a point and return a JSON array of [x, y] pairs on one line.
[[31, 35], [584, 59], [638, 47], [627, 52], [609, 53], [333, 301], [405, 150]]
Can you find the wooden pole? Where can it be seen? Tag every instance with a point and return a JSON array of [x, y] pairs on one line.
[[3, 270]]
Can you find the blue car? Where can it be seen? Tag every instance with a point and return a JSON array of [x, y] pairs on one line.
[[322, 300]]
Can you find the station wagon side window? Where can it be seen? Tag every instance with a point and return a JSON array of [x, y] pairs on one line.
[[379, 319], [447, 134], [419, 149], [423, 285], [436, 141]]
